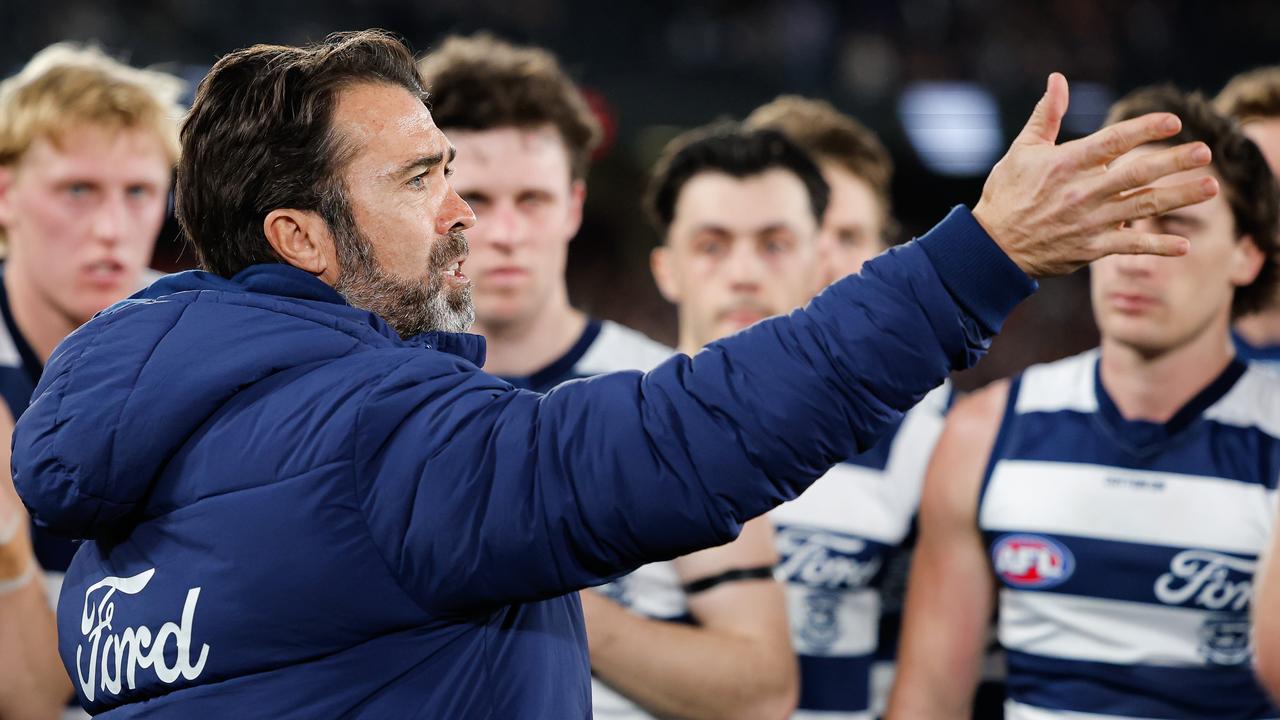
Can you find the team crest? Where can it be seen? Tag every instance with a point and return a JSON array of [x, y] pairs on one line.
[[1225, 640], [820, 625], [1032, 561]]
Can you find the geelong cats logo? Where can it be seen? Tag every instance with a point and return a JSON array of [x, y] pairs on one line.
[[114, 657], [1032, 561]]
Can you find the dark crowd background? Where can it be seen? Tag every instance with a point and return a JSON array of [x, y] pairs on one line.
[[946, 84]]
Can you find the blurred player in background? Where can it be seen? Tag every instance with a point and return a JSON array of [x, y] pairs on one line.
[[87, 146], [840, 541], [1118, 500], [524, 136], [1253, 100]]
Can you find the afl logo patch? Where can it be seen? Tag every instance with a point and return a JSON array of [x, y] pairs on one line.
[[1032, 561]]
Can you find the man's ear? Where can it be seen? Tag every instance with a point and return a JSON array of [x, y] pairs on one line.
[[577, 197], [1246, 261], [660, 264], [302, 239]]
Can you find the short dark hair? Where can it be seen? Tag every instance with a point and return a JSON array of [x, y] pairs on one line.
[[829, 135], [483, 83], [729, 148], [1247, 183], [260, 137]]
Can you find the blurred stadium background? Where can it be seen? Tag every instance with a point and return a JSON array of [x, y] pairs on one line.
[[946, 83]]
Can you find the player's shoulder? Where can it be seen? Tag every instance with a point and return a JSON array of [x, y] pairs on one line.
[[1252, 402], [618, 347], [1061, 385], [972, 411]]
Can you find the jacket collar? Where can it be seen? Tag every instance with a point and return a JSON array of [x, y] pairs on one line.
[[290, 282]]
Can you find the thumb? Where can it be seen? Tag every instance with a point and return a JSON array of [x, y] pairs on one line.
[[1045, 121]]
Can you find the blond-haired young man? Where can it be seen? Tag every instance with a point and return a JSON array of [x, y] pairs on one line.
[[87, 145]]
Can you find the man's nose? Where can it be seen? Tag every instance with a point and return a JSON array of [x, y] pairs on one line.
[[456, 214], [745, 267], [109, 220]]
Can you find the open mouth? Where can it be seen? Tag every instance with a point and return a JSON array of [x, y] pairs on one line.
[[105, 271]]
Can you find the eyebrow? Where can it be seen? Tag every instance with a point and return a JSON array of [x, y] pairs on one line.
[[775, 227], [425, 162]]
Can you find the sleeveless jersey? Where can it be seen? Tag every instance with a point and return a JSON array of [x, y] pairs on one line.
[[1126, 550], [606, 346], [20, 370], [833, 542]]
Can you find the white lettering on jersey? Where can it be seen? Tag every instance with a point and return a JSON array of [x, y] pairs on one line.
[[140, 645], [824, 560], [1206, 575]]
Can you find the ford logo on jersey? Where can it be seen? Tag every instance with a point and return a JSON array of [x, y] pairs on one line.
[[1032, 561]]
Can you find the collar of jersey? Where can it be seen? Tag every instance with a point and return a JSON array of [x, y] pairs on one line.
[[1143, 437]]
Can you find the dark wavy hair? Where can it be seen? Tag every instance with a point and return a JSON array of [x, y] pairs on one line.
[[260, 137]]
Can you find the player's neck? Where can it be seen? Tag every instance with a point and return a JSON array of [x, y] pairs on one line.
[[1155, 388], [41, 323], [1261, 329], [520, 349]]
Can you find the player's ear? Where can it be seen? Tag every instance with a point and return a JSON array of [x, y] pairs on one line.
[[1246, 261], [662, 267], [303, 239], [577, 198]]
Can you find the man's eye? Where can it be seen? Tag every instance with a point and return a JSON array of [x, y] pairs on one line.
[[79, 189], [417, 181]]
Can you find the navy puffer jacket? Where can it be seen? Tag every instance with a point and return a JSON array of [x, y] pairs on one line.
[[290, 512]]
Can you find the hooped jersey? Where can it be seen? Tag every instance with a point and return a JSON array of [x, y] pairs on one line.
[[1126, 550], [833, 542]]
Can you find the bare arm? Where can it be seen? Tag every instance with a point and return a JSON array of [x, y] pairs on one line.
[[951, 593], [1266, 618], [736, 663], [33, 683]]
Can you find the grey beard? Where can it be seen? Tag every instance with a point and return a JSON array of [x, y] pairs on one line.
[[410, 307]]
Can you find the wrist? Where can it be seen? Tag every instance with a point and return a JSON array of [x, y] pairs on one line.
[[982, 215]]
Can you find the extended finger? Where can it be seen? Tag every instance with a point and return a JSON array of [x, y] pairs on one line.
[[1113, 141], [1150, 167], [1046, 118], [1132, 242], [1150, 202]]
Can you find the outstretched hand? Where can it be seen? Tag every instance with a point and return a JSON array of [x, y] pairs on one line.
[[1055, 208]]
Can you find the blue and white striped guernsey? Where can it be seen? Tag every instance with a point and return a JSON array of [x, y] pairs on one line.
[[20, 370], [833, 542], [1126, 550], [606, 346]]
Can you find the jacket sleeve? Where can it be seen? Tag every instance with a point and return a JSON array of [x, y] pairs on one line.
[[481, 495]]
